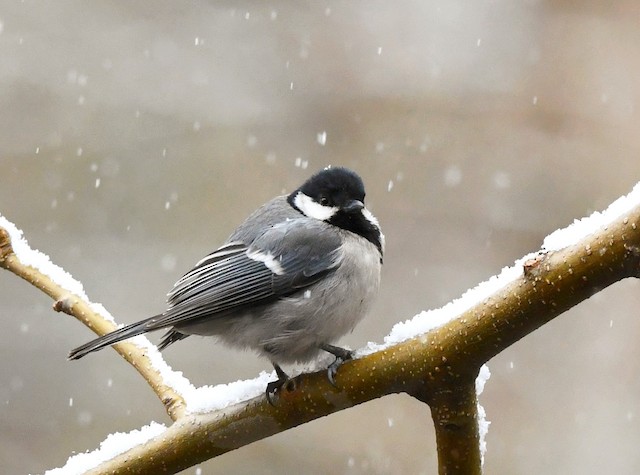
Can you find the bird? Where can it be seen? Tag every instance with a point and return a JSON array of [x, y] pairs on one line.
[[298, 274]]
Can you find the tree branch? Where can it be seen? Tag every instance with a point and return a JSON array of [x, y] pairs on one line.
[[455, 416], [437, 367], [84, 311]]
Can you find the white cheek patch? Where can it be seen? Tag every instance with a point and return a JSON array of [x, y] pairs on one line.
[[312, 209], [369, 217], [373, 220], [267, 259]]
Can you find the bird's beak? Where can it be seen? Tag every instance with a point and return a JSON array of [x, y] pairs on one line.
[[353, 206]]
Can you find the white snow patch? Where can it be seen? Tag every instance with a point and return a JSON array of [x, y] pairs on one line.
[[214, 398], [211, 398], [583, 227], [171, 378], [113, 445], [40, 261], [428, 320], [483, 423]]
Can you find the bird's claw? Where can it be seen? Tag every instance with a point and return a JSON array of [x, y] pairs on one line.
[[274, 386], [341, 354], [272, 389], [333, 367]]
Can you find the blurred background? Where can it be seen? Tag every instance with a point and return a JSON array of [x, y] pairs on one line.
[[135, 136]]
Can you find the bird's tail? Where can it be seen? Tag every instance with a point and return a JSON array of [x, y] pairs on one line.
[[169, 338], [116, 336]]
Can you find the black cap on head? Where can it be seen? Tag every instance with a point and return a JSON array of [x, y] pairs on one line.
[[337, 185]]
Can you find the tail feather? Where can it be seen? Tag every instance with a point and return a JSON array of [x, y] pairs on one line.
[[169, 338], [116, 336]]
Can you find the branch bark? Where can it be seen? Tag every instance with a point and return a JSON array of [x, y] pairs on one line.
[[455, 417], [438, 367]]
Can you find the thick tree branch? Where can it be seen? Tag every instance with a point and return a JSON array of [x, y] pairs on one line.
[[447, 357], [438, 367], [455, 416]]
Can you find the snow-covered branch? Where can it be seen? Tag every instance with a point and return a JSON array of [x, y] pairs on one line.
[[435, 357], [69, 297]]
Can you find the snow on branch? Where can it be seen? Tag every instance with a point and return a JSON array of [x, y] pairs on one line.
[[557, 240], [436, 353], [69, 297]]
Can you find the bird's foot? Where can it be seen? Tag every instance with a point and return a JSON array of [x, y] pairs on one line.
[[274, 386], [341, 355]]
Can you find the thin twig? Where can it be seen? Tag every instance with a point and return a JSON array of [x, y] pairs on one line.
[[74, 305]]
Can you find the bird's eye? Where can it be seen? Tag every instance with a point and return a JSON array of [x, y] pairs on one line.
[[324, 201]]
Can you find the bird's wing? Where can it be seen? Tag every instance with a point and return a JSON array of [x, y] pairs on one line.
[[287, 258]]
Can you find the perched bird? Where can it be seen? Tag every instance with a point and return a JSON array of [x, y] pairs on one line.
[[298, 274]]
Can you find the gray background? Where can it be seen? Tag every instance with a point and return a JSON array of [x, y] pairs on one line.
[[495, 122]]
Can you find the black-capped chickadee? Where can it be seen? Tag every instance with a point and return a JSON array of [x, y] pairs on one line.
[[297, 275]]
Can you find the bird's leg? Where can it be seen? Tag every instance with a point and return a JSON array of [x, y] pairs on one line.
[[274, 386], [341, 355]]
